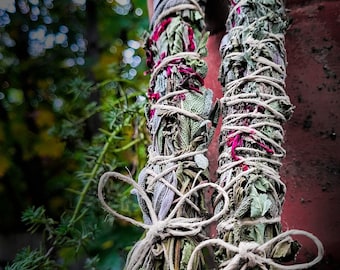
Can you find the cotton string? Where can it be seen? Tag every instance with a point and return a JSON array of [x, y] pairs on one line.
[[251, 254], [171, 226]]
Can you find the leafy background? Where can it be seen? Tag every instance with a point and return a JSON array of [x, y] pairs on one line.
[[72, 96]]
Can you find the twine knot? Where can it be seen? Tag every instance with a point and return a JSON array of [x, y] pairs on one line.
[[157, 230], [151, 246], [179, 227], [249, 253]]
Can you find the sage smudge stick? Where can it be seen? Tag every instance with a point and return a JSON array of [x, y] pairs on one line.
[[249, 194], [254, 108], [181, 119]]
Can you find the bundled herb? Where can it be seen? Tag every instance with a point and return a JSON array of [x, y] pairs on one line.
[[181, 119], [254, 107], [179, 114]]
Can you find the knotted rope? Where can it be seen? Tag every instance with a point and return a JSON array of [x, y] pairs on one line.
[[151, 245], [251, 254]]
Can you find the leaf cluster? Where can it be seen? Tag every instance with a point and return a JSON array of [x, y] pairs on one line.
[[64, 123]]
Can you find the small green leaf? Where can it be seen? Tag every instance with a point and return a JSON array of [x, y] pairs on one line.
[[262, 184], [186, 254], [257, 233], [281, 249], [285, 250], [260, 204]]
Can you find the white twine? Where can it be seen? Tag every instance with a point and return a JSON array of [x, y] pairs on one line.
[[168, 59], [172, 10], [166, 109], [251, 254], [160, 159], [160, 177], [159, 230]]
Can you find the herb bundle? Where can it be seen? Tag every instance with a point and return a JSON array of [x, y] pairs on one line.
[[181, 118], [178, 118], [249, 194], [254, 107]]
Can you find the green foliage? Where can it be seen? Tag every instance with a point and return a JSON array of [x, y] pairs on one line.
[[69, 112], [81, 230], [260, 203], [36, 217], [32, 259]]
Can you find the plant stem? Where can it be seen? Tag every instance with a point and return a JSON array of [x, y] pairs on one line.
[[94, 172]]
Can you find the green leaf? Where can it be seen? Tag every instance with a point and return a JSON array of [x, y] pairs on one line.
[[202, 45], [186, 254], [260, 203], [262, 184], [257, 233], [285, 250]]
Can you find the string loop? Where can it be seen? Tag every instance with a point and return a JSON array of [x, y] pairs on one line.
[[251, 254], [171, 226]]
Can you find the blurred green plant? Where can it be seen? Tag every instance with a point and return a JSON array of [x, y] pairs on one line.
[[69, 110]]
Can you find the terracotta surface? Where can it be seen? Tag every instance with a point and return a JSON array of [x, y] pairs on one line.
[[311, 169]]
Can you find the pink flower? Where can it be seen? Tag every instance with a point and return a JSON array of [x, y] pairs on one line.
[[160, 28], [152, 113], [234, 4], [234, 142], [191, 46], [168, 71], [154, 96], [245, 167]]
